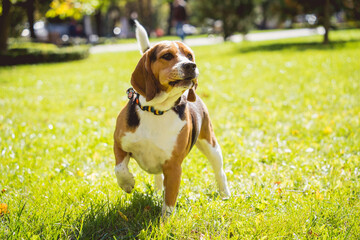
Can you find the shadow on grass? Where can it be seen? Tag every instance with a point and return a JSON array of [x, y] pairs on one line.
[[121, 220], [297, 46]]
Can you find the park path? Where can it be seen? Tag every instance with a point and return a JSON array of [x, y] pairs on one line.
[[259, 36]]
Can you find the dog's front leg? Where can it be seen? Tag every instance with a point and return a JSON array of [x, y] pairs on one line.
[[158, 182], [124, 178], [172, 177]]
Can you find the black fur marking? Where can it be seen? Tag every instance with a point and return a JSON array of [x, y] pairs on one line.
[[153, 55], [194, 132], [178, 101], [180, 107], [133, 119]]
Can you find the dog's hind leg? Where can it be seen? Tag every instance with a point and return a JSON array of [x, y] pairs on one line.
[[213, 153], [208, 145], [124, 178]]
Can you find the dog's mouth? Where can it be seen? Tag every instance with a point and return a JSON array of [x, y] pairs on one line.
[[173, 83], [183, 82], [189, 78]]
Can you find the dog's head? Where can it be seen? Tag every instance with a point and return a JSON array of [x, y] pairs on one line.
[[167, 66]]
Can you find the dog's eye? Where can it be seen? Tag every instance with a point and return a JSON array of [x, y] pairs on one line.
[[167, 56], [190, 57]]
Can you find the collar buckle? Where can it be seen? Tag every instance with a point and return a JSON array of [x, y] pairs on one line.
[[130, 93]]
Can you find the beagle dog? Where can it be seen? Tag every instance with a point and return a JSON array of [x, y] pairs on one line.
[[164, 119]]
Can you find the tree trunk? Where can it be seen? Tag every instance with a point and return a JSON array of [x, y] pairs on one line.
[[168, 32], [30, 9], [98, 23], [149, 14], [4, 25], [326, 21], [264, 6], [226, 29], [141, 10]]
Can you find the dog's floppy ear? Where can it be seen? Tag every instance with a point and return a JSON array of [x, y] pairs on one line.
[[143, 79], [191, 94]]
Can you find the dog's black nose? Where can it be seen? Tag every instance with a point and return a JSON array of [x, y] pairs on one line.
[[189, 66]]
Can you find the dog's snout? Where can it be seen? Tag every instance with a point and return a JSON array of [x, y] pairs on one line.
[[189, 66]]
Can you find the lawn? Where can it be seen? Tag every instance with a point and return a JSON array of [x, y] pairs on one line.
[[286, 114]]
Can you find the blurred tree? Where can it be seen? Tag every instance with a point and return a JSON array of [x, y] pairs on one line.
[[71, 8], [101, 11], [4, 24], [234, 14], [170, 17], [17, 19], [283, 9], [323, 9], [12, 12], [77, 8], [352, 10], [30, 6]]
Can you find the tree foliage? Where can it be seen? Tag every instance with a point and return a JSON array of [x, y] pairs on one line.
[[72, 8], [235, 14]]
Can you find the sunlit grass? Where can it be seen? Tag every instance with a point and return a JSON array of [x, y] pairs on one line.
[[286, 114]]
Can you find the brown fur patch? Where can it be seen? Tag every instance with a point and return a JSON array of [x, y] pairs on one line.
[[191, 95], [172, 167], [143, 79], [207, 131], [172, 179], [119, 154], [120, 131]]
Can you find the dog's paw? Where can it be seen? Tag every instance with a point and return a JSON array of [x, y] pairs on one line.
[[127, 184], [124, 178], [225, 193], [166, 211]]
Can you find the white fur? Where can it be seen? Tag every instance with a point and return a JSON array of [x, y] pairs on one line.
[[154, 139], [166, 210], [180, 73], [142, 37], [216, 160], [158, 182], [163, 101], [178, 69], [124, 177]]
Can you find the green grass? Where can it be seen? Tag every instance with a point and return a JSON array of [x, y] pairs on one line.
[[286, 114]]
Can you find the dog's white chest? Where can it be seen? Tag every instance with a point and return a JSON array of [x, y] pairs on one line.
[[154, 139]]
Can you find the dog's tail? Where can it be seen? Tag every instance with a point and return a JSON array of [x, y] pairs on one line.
[[142, 37]]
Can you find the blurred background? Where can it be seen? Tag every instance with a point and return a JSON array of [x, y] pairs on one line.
[[285, 111], [76, 22]]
